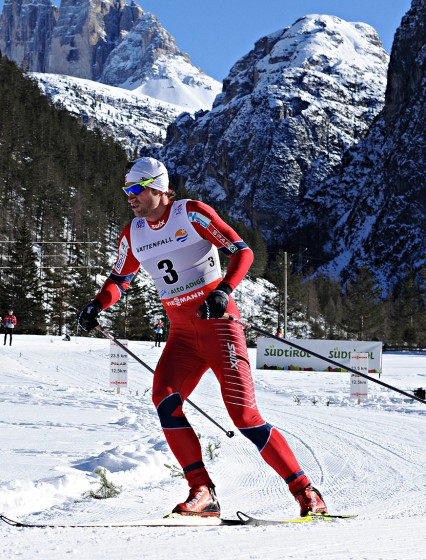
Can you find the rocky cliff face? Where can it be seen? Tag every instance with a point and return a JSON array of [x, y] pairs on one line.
[[373, 211], [112, 42], [134, 58], [26, 28], [86, 33], [74, 39], [289, 110]]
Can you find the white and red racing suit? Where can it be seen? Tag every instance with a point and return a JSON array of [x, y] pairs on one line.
[[180, 252]]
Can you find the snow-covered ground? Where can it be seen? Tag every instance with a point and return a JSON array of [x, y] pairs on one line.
[[60, 421]]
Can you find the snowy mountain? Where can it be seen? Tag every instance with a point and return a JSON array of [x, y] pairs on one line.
[[373, 210], [301, 143], [304, 144], [132, 118], [161, 71], [112, 43], [288, 111]]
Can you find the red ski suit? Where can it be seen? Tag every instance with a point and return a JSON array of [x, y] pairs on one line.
[[10, 321], [180, 253]]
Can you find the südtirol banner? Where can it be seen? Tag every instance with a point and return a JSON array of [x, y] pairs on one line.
[[272, 354]]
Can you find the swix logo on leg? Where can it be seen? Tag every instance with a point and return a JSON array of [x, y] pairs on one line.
[[233, 356]]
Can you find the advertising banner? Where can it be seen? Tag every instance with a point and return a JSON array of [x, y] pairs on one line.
[[272, 354]]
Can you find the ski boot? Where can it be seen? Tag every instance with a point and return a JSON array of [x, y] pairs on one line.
[[202, 501], [310, 501]]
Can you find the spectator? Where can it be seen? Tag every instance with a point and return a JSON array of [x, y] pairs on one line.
[[158, 333], [9, 323]]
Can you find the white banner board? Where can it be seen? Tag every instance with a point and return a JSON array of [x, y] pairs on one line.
[[118, 364], [277, 355], [359, 385]]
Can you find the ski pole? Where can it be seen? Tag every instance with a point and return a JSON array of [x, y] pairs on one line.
[[107, 334], [337, 364]]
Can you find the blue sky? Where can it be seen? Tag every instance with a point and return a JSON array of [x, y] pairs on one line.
[[216, 34]]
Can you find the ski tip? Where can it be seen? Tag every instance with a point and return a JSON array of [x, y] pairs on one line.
[[10, 521], [243, 517]]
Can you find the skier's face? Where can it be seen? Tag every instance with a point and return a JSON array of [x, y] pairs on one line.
[[148, 204]]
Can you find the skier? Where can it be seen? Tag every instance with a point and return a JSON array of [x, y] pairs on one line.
[[177, 243], [9, 323]]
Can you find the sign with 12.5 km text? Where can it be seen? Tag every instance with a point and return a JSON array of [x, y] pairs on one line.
[[118, 364], [359, 384]]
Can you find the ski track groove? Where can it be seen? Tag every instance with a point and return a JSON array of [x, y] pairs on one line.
[[363, 454], [354, 458]]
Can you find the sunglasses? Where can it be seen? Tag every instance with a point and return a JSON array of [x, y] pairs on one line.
[[140, 186]]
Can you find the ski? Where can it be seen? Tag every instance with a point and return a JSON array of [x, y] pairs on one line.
[[178, 521], [181, 521], [253, 521]]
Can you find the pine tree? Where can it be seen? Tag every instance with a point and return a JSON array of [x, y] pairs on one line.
[[140, 322], [134, 314], [258, 246], [21, 285], [116, 317], [57, 290], [363, 308], [329, 291], [253, 238], [408, 315]]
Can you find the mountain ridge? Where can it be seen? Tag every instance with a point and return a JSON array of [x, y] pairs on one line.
[[312, 139], [376, 202], [106, 41], [288, 111]]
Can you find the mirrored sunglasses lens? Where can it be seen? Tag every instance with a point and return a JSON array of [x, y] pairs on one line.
[[133, 189]]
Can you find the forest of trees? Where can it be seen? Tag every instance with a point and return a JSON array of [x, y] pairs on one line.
[[356, 311], [62, 212]]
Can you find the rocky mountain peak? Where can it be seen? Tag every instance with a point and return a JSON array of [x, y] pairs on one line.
[[85, 34], [134, 58], [372, 211], [26, 28], [288, 111], [315, 43]]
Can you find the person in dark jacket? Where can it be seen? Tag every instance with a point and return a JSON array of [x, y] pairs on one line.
[[158, 333], [9, 323]]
